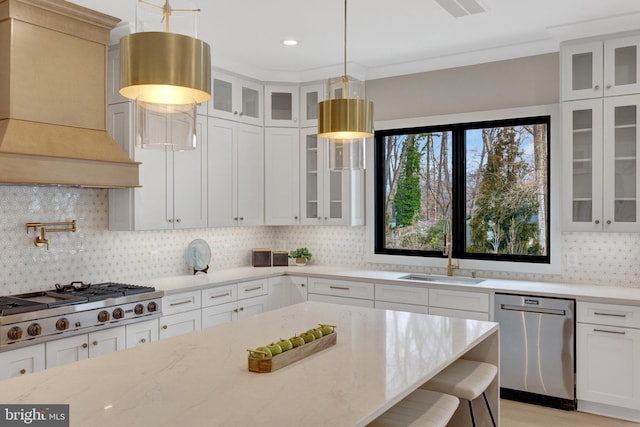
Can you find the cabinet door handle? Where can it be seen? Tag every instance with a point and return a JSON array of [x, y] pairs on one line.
[[609, 332], [597, 221], [608, 86], [95, 343], [241, 308], [23, 371], [241, 218], [169, 220], [235, 310], [596, 87], [253, 289], [622, 316], [143, 340], [164, 327], [173, 304], [608, 222], [85, 345], [220, 295], [341, 288], [178, 220], [302, 285]]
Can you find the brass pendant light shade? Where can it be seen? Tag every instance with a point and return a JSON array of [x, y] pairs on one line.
[[345, 118], [165, 68]]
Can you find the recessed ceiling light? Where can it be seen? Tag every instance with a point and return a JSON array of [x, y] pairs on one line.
[[289, 42]]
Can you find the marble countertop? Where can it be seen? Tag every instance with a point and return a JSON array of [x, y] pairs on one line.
[[607, 294], [201, 378]]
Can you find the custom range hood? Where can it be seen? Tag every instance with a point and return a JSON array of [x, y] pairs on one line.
[[53, 97]]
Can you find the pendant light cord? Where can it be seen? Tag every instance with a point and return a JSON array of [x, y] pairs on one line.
[[345, 88]]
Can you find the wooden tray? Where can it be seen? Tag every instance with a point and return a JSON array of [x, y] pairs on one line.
[[291, 356]]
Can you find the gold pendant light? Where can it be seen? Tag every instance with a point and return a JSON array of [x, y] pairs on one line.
[[345, 118], [167, 74]]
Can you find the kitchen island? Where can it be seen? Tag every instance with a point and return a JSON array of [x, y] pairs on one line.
[[201, 378]]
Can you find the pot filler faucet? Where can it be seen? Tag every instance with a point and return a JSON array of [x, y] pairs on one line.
[[448, 249]]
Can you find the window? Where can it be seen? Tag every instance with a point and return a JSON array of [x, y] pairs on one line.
[[484, 184]]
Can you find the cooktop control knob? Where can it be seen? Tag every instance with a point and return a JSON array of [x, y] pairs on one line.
[[152, 306], [15, 333], [103, 316], [62, 324], [34, 329], [118, 313], [138, 309]]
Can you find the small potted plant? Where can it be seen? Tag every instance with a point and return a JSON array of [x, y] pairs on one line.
[[301, 255]]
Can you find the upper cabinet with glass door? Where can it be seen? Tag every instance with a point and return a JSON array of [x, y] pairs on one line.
[[310, 96], [596, 68], [281, 106], [236, 99]]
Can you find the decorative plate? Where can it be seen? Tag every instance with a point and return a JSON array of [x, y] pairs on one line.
[[198, 255]]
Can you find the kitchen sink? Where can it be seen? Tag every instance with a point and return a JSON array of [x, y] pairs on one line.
[[442, 279]]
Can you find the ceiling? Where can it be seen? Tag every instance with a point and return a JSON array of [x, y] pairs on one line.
[[385, 38]]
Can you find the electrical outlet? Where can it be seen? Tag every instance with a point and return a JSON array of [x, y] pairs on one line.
[[572, 259]]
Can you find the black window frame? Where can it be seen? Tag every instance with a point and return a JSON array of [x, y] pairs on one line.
[[458, 190]]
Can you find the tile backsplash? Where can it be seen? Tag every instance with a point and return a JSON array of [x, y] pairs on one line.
[[95, 254]]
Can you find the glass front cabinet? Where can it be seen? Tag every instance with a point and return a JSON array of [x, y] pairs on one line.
[[327, 197], [601, 179]]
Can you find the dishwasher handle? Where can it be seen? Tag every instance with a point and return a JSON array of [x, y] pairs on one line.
[[554, 311]]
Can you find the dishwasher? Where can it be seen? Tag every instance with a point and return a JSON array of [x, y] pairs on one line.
[[537, 349]]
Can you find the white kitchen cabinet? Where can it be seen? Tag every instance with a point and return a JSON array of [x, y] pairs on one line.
[[310, 96], [281, 106], [608, 359], [80, 347], [341, 291], [604, 67], [286, 290], [219, 295], [22, 361], [328, 197], [236, 174], [402, 294], [236, 99], [181, 314], [231, 302], [456, 303], [601, 175], [398, 306], [282, 176], [142, 333], [173, 184]]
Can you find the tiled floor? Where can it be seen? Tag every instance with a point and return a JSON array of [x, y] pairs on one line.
[[516, 414]]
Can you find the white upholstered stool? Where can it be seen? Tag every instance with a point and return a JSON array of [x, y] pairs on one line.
[[465, 379], [422, 408]]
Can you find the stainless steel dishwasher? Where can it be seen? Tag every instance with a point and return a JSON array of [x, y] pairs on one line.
[[537, 349]]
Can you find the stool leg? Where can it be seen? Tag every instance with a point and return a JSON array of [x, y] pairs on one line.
[[489, 408], [473, 419]]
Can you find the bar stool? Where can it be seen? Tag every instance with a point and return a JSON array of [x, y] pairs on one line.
[[465, 379], [422, 408]]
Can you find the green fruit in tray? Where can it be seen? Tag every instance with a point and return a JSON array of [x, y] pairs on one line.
[[285, 345], [307, 336], [296, 341], [317, 333], [261, 355], [275, 349], [326, 329]]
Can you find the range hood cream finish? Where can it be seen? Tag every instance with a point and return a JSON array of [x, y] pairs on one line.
[[53, 97]]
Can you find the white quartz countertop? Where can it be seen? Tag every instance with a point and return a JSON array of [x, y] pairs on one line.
[[201, 378], [602, 293]]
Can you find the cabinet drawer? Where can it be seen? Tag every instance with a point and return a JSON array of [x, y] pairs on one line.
[[608, 314], [179, 303], [459, 300], [219, 295], [341, 288], [462, 314], [253, 288], [181, 323], [403, 294], [15, 363], [341, 300], [412, 308]]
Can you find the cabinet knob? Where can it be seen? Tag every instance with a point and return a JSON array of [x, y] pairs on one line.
[[235, 310], [178, 220], [164, 327], [241, 218], [23, 371], [241, 113], [235, 113], [608, 86], [295, 217], [95, 343], [169, 220], [143, 340], [235, 218], [302, 285], [608, 222], [596, 87], [597, 221], [241, 308], [85, 345]]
